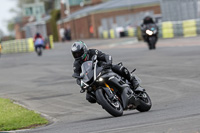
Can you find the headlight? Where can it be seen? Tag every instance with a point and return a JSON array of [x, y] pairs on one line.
[[149, 32], [100, 79]]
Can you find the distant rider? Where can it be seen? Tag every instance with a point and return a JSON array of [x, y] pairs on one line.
[[146, 21], [38, 41], [81, 54]]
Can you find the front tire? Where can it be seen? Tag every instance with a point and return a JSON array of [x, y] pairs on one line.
[[152, 42], [113, 108]]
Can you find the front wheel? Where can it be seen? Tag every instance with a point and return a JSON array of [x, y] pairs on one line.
[[152, 42], [112, 107], [145, 102]]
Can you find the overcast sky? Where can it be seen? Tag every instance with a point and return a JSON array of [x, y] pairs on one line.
[[5, 6]]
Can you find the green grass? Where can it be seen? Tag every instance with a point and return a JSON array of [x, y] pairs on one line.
[[13, 117]]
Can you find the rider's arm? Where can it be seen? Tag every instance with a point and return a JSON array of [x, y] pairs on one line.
[[77, 71], [102, 56]]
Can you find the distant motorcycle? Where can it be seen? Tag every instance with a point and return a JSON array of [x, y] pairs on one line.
[[39, 46], [111, 91], [151, 35]]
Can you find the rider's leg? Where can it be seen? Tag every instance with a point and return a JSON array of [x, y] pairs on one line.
[[123, 71], [90, 97], [36, 48]]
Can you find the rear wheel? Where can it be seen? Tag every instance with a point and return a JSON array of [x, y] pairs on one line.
[[39, 51], [145, 102], [113, 107]]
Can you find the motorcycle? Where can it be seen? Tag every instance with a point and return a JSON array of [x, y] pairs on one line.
[[151, 33], [111, 91], [39, 46]]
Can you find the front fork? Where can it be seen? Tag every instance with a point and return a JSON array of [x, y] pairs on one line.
[[109, 91]]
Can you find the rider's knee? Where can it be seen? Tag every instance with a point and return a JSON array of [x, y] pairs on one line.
[[90, 98]]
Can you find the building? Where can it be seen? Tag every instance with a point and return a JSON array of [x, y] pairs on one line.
[[71, 6], [35, 19], [178, 10], [108, 15]]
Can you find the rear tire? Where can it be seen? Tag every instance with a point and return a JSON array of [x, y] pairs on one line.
[[145, 102], [39, 51], [109, 106]]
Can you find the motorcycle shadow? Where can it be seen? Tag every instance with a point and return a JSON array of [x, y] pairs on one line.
[[108, 117]]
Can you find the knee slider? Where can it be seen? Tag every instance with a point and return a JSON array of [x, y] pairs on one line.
[[90, 98]]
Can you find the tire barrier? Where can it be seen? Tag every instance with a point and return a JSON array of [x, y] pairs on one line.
[[23, 45], [51, 42], [105, 34], [189, 28], [131, 32], [17, 46], [112, 33], [169, 29]]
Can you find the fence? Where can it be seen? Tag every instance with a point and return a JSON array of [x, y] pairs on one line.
[[23, 45]]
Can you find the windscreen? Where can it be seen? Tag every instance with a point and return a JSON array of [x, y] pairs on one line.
[[87, 71]]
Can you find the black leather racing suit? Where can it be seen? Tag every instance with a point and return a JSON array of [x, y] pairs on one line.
[[106, 59], [146, 21], [91, 52]]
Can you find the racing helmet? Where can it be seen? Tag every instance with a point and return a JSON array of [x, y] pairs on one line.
[[79, 50]]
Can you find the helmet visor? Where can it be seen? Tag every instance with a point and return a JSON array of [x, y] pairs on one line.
[[78, 54]]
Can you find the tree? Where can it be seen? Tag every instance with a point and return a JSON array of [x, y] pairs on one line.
[[10, 26], [49, 5], [1, 34]]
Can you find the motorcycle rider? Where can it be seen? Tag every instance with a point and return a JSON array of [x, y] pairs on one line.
[[146, 21], [81, 54], [38, 36]]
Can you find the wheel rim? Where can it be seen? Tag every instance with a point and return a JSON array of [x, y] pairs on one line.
[[144, 97], [115, 104]]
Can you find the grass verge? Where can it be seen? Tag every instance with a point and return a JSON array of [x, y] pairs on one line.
[[13, 117]]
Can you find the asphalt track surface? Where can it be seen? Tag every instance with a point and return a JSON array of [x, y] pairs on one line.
[[170, 74]]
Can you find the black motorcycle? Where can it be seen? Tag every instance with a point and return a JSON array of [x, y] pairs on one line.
[[111, 91], [151, 35]]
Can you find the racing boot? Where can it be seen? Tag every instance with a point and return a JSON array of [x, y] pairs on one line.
[[134, 83]]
